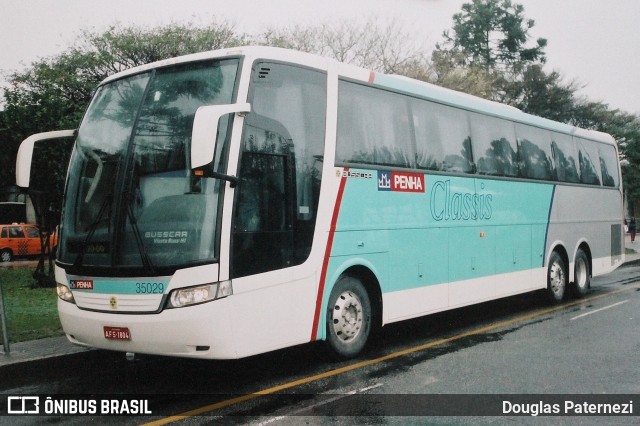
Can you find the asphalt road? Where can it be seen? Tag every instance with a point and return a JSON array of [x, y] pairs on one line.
[[514, 346]]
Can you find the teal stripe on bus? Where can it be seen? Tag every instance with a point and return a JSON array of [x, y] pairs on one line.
[[455, 228], [120, 286]]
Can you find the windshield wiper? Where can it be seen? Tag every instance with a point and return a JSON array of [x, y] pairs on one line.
[[92, 229], [146, 260]]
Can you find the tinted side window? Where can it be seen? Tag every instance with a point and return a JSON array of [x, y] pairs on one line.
[[32, 232], [589, 162], [373, 127], [16, 232], [442, 137], [4, 233], [608, 165], [494, 146], [534, 150], [566, 158]]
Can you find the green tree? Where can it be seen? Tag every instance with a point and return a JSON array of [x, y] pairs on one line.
[[447, 70], [625, 128], [494, 34], [120, 48], [488, 53], [542, 94]]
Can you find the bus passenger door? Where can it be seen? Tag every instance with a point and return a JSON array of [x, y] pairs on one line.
[[275, 208], [262, 230]]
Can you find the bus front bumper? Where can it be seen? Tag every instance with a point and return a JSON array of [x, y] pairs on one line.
[[199, 331]]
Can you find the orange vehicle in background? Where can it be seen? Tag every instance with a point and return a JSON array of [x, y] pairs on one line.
[[21, 240]]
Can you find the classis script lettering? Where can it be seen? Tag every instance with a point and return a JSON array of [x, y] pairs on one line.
[[447, 204]]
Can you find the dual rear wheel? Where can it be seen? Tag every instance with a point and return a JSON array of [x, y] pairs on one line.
[[558, 277]]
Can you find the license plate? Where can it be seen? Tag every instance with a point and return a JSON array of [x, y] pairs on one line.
[[116, 333]]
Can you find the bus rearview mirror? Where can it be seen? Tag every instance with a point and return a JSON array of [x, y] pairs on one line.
[[205, 129], [25, 154]]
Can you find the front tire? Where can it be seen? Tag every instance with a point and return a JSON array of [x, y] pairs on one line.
[[582, 274], [348, 317], [556, 278]]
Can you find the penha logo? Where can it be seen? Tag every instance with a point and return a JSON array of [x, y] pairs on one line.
[[400, 181], [81, 284]]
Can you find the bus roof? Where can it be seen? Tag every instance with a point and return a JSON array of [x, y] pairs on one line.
[[394, 82]]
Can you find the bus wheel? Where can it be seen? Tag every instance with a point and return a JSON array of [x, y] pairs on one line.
[[348, 317], [582, 274], [556, 278], [6, 255]]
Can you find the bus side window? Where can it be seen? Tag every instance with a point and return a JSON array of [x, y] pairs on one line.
[[566, 158], [494, 146], [373, 127], [608, 165], [442, 135], [534, 149], [429, 149], [589, 162]]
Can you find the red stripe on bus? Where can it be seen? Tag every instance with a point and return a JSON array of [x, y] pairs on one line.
[[327, 254]]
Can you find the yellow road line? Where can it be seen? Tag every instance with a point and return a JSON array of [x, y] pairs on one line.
[[361, 364]]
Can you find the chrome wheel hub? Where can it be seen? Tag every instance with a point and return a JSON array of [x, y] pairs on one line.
[[347, 316], [556, 278]]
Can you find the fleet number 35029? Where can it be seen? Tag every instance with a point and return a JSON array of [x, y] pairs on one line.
[[150, 288]]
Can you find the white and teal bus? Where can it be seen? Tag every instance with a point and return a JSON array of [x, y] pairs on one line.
[[234, 202]]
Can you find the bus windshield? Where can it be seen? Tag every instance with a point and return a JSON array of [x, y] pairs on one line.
[[132, 200]]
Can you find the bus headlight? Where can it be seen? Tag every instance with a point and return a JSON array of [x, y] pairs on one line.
[[64, 293], [199, 294]]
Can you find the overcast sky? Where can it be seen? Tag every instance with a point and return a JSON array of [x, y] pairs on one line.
[[595, 42]]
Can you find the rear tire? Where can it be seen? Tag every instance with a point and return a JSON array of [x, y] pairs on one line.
[[582, 275], [6, 255], [348, 317], [556, 278]]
